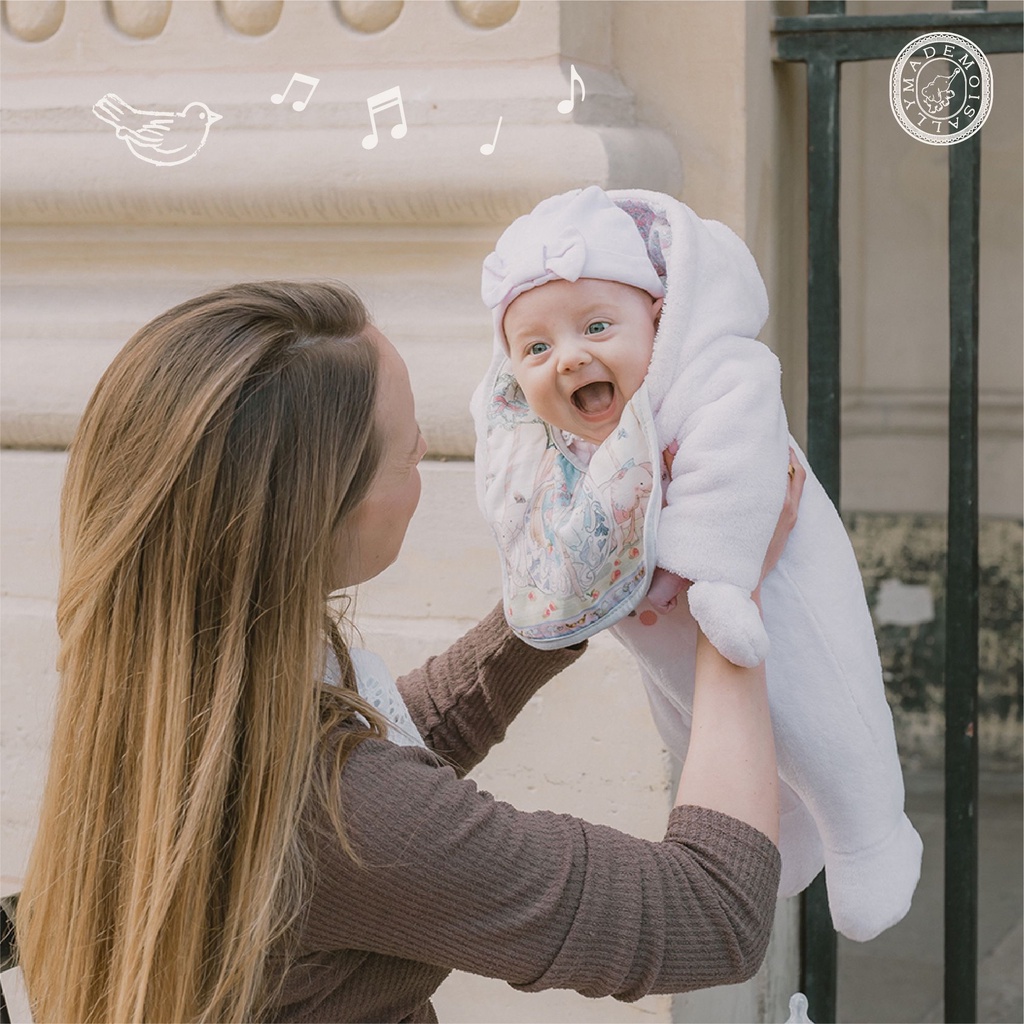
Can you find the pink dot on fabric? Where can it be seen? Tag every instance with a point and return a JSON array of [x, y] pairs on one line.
[[648, 618]]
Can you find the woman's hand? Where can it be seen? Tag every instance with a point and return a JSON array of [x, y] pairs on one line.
[[664, 589], [787, 519]]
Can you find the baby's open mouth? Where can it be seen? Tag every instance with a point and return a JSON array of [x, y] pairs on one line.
[[594, 398]]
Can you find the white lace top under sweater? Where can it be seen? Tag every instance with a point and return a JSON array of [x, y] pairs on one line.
[[378, 687]]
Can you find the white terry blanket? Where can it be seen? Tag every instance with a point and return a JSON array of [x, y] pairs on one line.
[[714, 392]]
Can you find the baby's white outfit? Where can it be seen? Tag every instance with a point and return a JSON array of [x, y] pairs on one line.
[[580, 533]]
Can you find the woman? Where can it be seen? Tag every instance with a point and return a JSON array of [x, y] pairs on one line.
[[230, 829]]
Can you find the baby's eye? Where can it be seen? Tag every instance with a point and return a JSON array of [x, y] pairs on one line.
[[537, 348], [598, 326]]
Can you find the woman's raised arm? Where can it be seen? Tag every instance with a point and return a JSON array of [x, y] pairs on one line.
[[730, 765]]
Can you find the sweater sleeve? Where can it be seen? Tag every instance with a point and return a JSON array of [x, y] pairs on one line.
[[463, 700], [449, 876]]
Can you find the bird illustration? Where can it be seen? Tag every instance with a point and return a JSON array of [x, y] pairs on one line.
[[158, 137], [935, 96]]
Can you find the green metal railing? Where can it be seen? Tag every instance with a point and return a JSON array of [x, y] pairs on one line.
[[823, 40]]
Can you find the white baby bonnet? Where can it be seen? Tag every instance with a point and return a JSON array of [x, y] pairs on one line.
[[581, 233]]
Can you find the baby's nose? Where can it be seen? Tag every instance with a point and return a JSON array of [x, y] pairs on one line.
[[572, 357]]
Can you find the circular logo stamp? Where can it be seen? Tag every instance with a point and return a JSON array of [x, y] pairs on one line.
[[940, 88]]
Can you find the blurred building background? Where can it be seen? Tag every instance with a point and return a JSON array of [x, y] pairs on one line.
[[682, 97]]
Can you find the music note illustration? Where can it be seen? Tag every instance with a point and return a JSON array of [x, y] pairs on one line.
[[565, 106], [382, 101], [278, 97], [488, 147]]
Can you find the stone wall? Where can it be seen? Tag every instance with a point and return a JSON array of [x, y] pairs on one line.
[[902, 558], [96, 242]]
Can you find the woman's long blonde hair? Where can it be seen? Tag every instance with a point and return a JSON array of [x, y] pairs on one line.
[[218, 457]]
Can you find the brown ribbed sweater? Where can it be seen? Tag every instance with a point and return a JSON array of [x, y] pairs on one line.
[[452, 878]]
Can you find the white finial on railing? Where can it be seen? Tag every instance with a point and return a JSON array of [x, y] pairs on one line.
[[798, 1009]]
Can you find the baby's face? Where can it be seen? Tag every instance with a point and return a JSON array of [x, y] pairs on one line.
[[580, 349]]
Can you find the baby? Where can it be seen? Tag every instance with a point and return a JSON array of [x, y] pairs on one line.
[[630, 437]]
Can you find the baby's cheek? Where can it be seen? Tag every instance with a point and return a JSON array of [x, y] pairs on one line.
[[531, 392]]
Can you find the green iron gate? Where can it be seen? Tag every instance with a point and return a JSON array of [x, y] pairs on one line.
[[824, 39]]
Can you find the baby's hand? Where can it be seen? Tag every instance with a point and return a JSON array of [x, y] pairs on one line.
[[664, 589]]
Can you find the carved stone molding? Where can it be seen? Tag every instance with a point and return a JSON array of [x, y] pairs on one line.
[[74, 295], [262, 163], [486, 13], [33, 20], [140, 19], [251, 17], [243, 35], [110, 239], [369, 15]]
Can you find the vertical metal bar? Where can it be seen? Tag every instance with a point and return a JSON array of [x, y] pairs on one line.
[[818, 937], [823, 296], [961, 881]]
